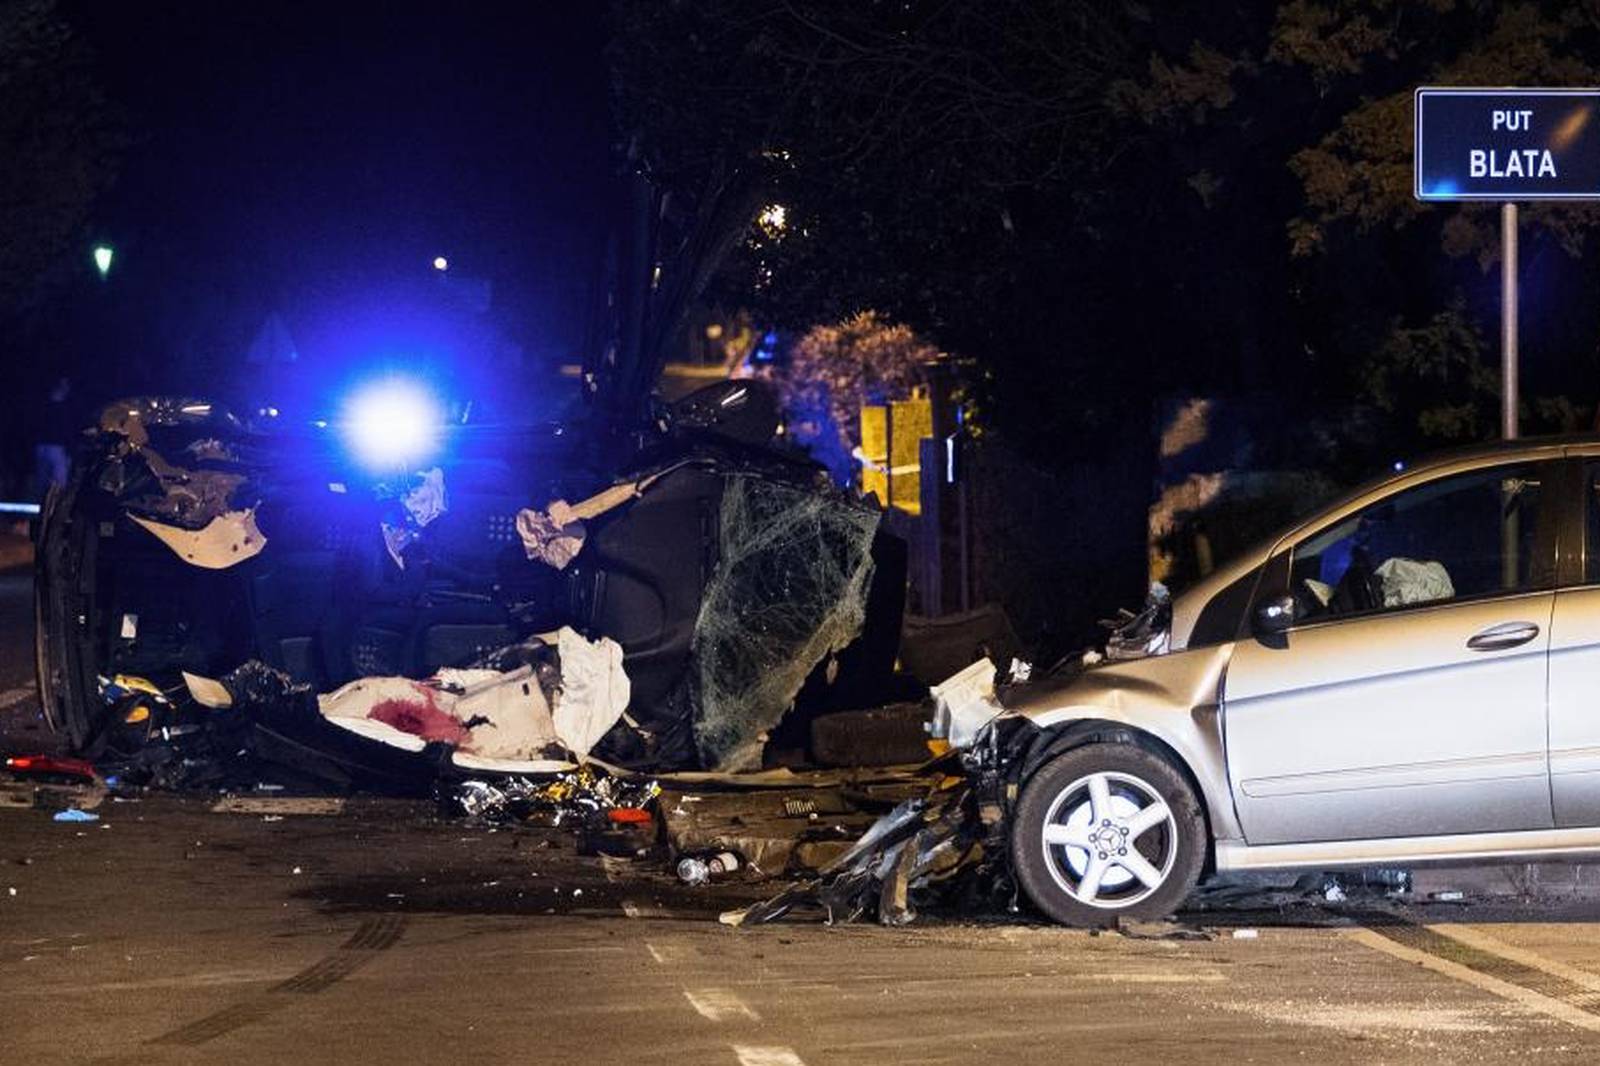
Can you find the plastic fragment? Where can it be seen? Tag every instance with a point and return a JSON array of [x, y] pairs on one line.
[[72, 814], [698, 869]]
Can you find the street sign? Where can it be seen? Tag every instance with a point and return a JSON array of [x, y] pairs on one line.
[[1507, 144]]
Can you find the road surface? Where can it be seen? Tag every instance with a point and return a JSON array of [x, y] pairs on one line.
[[178, 929]]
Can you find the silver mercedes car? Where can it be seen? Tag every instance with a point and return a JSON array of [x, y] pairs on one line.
[[1410, 676]]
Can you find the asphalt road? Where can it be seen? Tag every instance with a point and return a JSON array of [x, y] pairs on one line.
[[171, 931]]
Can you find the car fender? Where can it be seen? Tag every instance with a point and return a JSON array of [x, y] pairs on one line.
[[1173, 698]]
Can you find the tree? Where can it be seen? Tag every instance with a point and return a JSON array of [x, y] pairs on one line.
[[925, 155], [59, 140], [1387, 300], [1100, 204], [833, 370]]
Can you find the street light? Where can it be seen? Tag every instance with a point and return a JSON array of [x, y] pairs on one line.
[[440, 263], [102, 259], [774, 220]]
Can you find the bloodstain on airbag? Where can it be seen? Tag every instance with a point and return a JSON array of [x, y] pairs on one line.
[[421, 718]]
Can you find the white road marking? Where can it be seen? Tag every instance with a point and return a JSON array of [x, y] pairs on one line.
[[767, 1056], [654, 954], [1476, 938], [719, 1005], [1523, 997], [13, 696]]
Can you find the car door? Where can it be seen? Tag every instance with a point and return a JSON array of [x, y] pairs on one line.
[[1574, 666], [1408, 696]]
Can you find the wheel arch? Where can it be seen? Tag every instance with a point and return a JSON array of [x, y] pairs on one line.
[[1055, 740]]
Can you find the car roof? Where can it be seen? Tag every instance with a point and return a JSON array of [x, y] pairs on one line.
[[1489, 449]]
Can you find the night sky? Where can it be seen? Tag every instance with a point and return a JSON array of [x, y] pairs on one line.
[[313, 159]]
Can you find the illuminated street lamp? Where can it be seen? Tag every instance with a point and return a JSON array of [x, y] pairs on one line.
[[102, 259], [440, 263], [773, 220]]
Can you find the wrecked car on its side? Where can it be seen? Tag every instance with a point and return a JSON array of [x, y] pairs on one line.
[[384, 632]]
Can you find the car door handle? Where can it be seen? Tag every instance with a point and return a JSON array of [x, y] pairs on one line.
[[1504, 635]]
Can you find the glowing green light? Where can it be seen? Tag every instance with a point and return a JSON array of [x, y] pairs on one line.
[[102, 258]]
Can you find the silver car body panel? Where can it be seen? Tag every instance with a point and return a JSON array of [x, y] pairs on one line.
[[1464, 744], [1187, 607], [1574, 725], [1532, 844], [1388, 725], [1171, 697]]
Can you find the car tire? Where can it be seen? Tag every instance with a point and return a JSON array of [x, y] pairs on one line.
[[1107, 831]]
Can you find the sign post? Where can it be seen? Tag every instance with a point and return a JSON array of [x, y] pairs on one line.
[[1507, 145], [1508, 321]]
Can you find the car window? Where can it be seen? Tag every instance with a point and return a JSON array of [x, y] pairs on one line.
[[1591, 490], [1461, 537]]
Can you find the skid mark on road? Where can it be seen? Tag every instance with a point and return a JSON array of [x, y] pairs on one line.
[[1494, 945], [372, 936], [1530, 987], [278, 805]]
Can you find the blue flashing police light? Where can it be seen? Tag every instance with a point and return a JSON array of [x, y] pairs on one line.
[[392, 424]]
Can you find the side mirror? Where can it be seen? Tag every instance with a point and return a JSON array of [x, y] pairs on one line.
[[1274, 615]]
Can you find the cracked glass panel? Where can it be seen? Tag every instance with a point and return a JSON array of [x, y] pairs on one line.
[[790, 589]]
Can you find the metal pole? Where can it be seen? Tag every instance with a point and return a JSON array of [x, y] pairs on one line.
[[1510, 532], [1508, 321]]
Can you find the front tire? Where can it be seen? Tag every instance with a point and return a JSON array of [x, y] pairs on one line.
[[1105, 831]]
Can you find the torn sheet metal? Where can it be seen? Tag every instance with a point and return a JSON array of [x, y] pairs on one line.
[[1136, 636], [226, 540], [189, 497], [131, 417], [778, 831], [203, 480], [790, 590], [922, 840], [964, 704]]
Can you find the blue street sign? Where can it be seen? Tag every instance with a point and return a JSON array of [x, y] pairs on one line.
[[1508, 144]]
